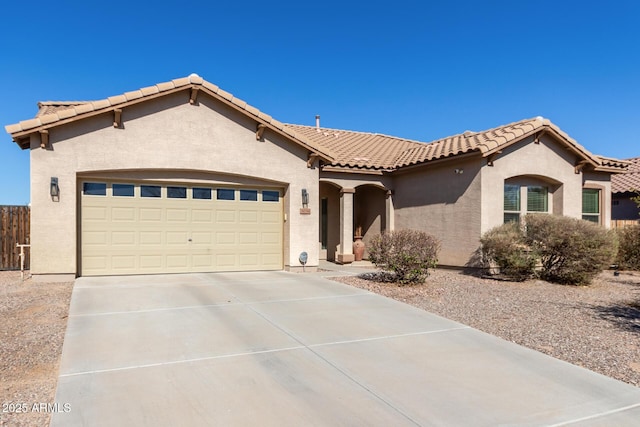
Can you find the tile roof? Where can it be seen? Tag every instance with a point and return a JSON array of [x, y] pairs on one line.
[[349, 149], [52, 113], [374, 151], [629, 181], [358, 149]]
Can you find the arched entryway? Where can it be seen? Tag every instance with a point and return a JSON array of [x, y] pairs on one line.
[[343, 209]]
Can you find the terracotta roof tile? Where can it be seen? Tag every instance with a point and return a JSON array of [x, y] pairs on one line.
[[150, 90], [629, 181], [51, 112], [357, 149], [130, 96]]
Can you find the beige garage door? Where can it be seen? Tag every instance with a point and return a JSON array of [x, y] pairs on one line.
[[141, 228]]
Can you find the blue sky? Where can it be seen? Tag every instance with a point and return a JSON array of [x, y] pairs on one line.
[[415, 69]]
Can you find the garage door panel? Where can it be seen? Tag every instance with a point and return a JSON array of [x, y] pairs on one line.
[[95, 213], [151, 238], [150, 214], [202, 216], [133, 234], [123, 238], [270, 238], [123, 214], [95, 238], [177, 215], [123, 262], [226, 238], [248, 216], [177, 238], [245, 238]]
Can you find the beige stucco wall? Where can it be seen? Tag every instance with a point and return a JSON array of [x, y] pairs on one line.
[[168, 139], [443, 203], [547, 161]]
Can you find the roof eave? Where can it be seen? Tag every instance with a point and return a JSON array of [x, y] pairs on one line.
[[22, 137]]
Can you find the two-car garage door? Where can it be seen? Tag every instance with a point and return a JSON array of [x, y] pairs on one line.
[[143, 228]]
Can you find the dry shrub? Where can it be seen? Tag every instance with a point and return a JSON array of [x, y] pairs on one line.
[[571, 251], [558, 249], [629, 248], [504, 246], [407, 253]]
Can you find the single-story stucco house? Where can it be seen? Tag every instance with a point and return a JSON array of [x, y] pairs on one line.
[[184, 177], [625, 187]]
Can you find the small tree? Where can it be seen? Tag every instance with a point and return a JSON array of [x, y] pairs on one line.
[[407, 253]]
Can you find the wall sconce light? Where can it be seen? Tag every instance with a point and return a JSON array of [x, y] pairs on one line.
[[54, 189], [305, 198]]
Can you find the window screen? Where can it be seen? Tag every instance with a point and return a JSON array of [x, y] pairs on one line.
[[591, 205], [537, 199]]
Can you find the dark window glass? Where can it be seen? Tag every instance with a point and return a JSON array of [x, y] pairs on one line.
[[226, 194], [270, 196], [150, 191], [250, 195], [94, 189], [122, 190], [202, 193], [511, 217], [176, 192]]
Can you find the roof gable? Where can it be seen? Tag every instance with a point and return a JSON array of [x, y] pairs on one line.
[[56, 113]]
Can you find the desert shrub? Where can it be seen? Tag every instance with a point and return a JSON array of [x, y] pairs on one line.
[[629, 248], [504, 246], [407, 253], [571, 251]]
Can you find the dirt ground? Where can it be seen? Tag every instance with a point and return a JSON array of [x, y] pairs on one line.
[[34, 320]]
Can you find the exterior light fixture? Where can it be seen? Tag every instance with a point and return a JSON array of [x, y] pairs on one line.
[[459, 171], [54, 189], [305, 198]]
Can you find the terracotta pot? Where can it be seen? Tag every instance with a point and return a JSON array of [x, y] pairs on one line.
[[358, 248]]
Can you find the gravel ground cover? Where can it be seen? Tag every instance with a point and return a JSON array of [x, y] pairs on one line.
[[34, 319], [595, 326]]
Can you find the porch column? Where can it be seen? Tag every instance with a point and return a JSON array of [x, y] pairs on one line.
[[389, 211], [345, 251]]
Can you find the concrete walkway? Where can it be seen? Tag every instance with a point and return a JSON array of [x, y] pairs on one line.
[[286, 349]]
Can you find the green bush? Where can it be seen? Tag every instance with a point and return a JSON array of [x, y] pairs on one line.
[[407, 253], [504, 246], [629, 248], [571, 251], [556, 248]]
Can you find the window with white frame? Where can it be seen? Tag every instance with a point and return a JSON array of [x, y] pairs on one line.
[[591, 205]]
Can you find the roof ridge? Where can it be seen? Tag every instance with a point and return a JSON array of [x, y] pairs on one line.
[[84, 108]]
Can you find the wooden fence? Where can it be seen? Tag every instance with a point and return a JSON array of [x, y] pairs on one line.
[[14, 228], [621, 223]]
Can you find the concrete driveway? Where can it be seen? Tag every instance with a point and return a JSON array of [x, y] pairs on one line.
[[283, 349]]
